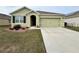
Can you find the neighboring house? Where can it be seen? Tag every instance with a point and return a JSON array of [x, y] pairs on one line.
[[4, 20], [28, 18], [72, 19]]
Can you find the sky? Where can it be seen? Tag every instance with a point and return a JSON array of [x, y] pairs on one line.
[[58, 9]]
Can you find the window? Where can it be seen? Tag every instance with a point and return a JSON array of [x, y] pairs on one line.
[[13, 19], [16, 19], [19, 19]]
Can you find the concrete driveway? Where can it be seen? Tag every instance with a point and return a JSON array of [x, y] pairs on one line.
[[60, 40]]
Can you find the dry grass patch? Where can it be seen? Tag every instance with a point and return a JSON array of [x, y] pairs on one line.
[[21, 42]]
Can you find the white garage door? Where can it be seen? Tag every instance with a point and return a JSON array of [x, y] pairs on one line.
[[50, 22]]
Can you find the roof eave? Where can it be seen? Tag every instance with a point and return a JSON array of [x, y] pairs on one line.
[[20, 9]]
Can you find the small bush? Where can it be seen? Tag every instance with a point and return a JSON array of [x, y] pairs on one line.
[[11, 28], [27, 27], [17, 27], [23, 28]]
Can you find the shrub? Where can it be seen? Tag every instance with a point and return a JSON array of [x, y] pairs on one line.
[[23, 28], [27, 27], [17, 27], [11, 28]]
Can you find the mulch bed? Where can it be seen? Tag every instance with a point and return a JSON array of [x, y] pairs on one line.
[[20, 30]]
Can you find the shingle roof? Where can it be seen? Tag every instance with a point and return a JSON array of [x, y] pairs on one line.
[[73, 13], [45, 12], [4, 16]]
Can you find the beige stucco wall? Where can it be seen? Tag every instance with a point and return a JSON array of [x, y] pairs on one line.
[[22, 24], [62, 21], [29, 19], [22, 12], [39, 18], [28, 14], [4, 22], [49, 16]]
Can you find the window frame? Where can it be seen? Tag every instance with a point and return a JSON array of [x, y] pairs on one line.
[[19, 19]]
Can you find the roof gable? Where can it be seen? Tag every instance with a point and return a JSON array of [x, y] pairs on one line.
[[73, 13], [20, 10], [33, 12]]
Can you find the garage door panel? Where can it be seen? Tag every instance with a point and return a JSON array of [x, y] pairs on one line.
[[50, 22]]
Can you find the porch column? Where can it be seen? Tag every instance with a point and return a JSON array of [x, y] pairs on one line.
[[11, 21]]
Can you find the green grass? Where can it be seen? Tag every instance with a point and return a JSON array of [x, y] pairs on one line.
[[22, 42], [73, 28]]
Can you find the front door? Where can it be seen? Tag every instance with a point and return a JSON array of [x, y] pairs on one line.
[[33, 20]]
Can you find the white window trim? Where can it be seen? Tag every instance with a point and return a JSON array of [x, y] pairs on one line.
[[18, 19]]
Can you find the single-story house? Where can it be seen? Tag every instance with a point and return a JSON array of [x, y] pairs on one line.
[[28, 18], [72, 19], [4, 19]]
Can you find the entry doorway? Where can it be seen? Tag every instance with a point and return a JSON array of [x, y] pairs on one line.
[[33, 20]]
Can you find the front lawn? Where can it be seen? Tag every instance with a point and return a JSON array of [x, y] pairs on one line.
[[21, 42], [73, 28]]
